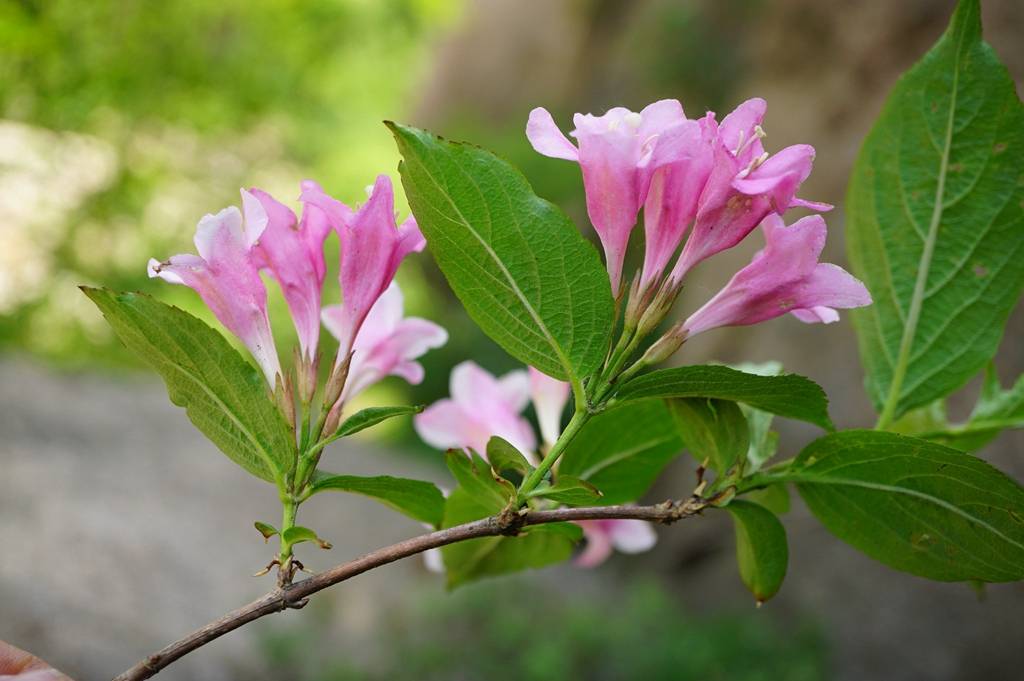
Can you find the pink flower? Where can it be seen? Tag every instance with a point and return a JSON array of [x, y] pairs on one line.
[[480, 407], [783, 277], [225, 276], [372, 247], [293, 252], [615, 155], [745, 184], [388, 343], [549, 396], [627, 536]]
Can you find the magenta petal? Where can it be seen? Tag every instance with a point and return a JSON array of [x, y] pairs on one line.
[[737, 129], [779, 176], [547, 139]]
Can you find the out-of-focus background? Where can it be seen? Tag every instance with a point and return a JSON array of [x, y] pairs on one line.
[[121, 123]]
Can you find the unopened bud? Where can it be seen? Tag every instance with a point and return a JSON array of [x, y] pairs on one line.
[[284, 396], [659, 306], [336, 382], [636, 303], [306, 370], [665, 346], [333, 419]]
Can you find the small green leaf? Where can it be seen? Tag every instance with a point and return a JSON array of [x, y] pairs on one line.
[[523, 271], [470, 560], [763, 441], [476, 477], [789, 395], [298, 534], [762, 552], [224, 396], [915, 505], [417, 499], [935, 208], [773, 497], [711, 429], [371, 416], [266, 530], [622, 451], [569, 491], [505, 457], [997, 410]]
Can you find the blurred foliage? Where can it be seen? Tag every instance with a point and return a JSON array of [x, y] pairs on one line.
[[494, 633]]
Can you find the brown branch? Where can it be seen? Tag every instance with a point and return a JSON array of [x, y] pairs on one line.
[[296, 595]]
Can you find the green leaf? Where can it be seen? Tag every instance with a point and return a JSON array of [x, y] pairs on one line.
[[569, 491], [997, 410], [789, 395], [476, 477], [773, 497], [935, 211], [711, 429], [622, 451], [518, 264], [266, 530], [536, 547], [298, 534], [224, 396], [371, 416], [761, 549], [915, 505], [763, 441], [505, 457], [417, 499]]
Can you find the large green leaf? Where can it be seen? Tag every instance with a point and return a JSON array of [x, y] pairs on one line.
[[935, 223], [915, 505], [488, 556], [712, 430], [788, 395], [517, 263], [622, 451], [762, 553], [224, 396], [417, 499]]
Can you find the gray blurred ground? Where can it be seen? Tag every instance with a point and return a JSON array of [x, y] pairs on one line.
[[123, 529]]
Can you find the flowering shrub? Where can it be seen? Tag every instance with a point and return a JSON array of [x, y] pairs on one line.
[[936, 209]]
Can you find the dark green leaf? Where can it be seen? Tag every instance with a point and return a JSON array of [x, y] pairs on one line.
[[371, 416], [935, 212], [224, 396], [712, 430], [417, 499], [518, 264], [761, 549], [569, 491], [488, 556], [298, 534], [266, 530], [915, 505], [622, 451], [790, 395], [505, 457], [476, 477]]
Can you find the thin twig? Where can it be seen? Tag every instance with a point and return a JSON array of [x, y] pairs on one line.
[[296, 595]]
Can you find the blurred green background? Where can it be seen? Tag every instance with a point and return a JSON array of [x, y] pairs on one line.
[[122, 122]]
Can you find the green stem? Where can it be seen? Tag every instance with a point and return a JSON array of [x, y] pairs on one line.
[[289, 509], [575, 424]]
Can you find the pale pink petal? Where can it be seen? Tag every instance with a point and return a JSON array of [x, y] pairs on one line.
[[255, 217], [599, 544], [547, 139], [632, 536], [446, 425], [817, 315], [433, 561], [549, 396], [515, 389], [659, 116], [213, 230]]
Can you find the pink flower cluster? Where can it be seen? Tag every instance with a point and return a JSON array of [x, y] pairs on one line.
[[482, 405], [234, 247], [715, 181]]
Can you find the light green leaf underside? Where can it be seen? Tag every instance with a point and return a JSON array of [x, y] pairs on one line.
[[787, 395], [520, 267], [417, 499], [622, 451], [915, 505], [371, 416], [936, 221], [224, 396], [762, 552]]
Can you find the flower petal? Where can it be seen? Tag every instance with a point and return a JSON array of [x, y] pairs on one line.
[[547, 139], [632, 536]]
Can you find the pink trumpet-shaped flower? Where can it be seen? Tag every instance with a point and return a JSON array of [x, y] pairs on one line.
[[226, 277], [745, 184], [372, 247], [293, 252], [549, 396], [615, 154], [388, 343], [480, 407], [625, 535], [783, 277]]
